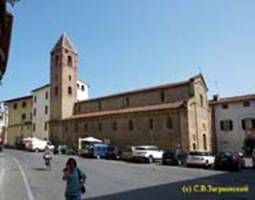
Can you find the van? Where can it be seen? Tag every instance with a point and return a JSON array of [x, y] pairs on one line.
[[97, 150], [35, 144]]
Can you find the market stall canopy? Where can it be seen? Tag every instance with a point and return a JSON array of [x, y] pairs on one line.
[[91, 139]]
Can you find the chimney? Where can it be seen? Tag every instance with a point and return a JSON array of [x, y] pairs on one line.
[[215, 97]]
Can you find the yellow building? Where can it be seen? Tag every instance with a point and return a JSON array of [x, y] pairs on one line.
[[20, 119]]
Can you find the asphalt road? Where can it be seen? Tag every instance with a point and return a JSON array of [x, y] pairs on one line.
[[23, 176]]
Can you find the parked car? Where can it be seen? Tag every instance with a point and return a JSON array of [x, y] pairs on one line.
[[127, 153], [200, 158], [97, 150], [113, 152], [35, 144], [174, 157], [148, 154], [229, 160]]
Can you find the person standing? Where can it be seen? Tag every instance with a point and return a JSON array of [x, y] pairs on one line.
[[75, 180]]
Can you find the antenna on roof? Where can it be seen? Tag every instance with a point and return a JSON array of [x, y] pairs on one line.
[[200, 70], [217, 87]]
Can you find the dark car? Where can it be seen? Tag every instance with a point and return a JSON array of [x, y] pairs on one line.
[[229, 160], [113, 152], [174, 157]]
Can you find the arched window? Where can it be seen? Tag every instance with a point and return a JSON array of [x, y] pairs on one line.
[[23, 116], [69, 61], [56, 60], [201, 100], [151, 123], [69, 77], [86, 127], [194, 146], [100, 126], [56, 90], [131, 125], [114, 125], [169, 123], [70, 90], [204, 141]]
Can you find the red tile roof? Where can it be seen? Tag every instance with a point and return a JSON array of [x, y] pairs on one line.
[[149, 108]]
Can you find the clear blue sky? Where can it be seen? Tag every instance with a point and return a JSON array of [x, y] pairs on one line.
[[129, 44]]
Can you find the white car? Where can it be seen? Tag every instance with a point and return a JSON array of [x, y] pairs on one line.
[[148, 154], [35, 144], [200, 158]]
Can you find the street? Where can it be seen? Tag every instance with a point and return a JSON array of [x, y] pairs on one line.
[[23, 176]]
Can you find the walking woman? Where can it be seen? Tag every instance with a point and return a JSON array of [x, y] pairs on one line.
[[75, 180]]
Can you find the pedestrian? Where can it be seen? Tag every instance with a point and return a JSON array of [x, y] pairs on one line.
[[75, 180]]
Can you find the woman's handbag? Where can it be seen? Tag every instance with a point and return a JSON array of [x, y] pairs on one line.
[[82, 188]]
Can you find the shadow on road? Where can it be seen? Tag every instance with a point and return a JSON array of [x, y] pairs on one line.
[[174, 190], [40, 169]]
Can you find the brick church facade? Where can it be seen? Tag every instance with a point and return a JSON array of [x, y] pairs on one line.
[[170, 116]]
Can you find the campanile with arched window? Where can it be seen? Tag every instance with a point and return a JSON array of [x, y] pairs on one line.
[[64, 67]]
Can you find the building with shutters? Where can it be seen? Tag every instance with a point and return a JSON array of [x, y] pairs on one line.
[[233, 122]]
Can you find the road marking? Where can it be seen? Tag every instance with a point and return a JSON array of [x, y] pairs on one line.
[[2, 183], [28, 188]]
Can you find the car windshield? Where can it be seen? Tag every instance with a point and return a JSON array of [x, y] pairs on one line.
[[172, 151], [111, 148], [147, 148], [127, 149], [225, 153], [196, 153]]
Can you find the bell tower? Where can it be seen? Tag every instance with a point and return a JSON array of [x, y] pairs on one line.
[[63, 81]]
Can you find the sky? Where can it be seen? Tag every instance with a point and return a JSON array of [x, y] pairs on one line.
[[130, 44]]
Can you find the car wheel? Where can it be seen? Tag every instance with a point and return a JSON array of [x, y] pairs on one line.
[[179, 163], [238, 167], [150, 160], [98, 156], [206, 165], [36, 150]]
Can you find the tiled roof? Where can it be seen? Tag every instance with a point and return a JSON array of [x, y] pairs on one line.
[[149, 108], [42, 87], [233, 99], [18, 99], [64, 42]]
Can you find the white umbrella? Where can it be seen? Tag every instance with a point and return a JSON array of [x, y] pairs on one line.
[[91, 139]]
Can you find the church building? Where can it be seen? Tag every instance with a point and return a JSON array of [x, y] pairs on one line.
[[170, 116]]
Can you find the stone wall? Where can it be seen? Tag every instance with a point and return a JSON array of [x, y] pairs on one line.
[[135, 99], [117, 128]]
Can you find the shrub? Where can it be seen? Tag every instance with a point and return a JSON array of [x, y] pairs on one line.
[[71, 149]]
